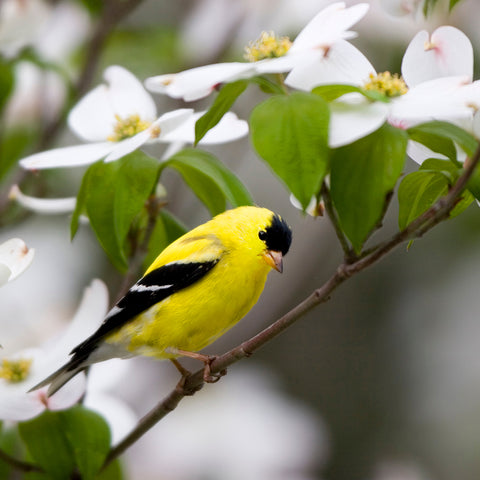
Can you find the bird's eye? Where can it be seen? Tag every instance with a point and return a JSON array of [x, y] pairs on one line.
[[262, 235]]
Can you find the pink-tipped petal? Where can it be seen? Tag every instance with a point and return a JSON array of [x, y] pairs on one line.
[[16, 257], [199, 82], [343, 64], [329, 26], [447, 52]]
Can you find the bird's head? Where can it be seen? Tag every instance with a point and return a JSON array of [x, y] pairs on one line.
[[276, 236]]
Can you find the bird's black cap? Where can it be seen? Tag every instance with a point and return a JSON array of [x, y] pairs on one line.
[[278, 235]]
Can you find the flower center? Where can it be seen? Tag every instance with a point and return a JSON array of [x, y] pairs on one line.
[[14, 371], [127, 127], [267, 46], [387, 84]]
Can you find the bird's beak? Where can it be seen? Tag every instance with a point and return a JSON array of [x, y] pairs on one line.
[[274, 259]]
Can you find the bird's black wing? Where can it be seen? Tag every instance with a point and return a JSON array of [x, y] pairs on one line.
[[149, 290]]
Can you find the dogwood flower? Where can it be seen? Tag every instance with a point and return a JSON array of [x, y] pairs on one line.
[[436, 92], [25, 369], [270, 54], [15, 257], [116, 119], [120, 117]]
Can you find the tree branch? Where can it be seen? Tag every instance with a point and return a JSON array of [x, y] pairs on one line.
[[193, 382]]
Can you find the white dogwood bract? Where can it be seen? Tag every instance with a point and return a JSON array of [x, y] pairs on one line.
[[22, 371]]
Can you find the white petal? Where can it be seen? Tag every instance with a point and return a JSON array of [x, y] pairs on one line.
[[18, 406], [129, 145], [350, 122], [93, 117], [15, 256], [69, 394], [311, 209], [76, 156], [199, 82], [5, 273], [448, 52], [344, 64], [43, 205], [88, 317], [128, 96], [228, 129], [287, 62], [440, 99], [329, 25], [166, 123]]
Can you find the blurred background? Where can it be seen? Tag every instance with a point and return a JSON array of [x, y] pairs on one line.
[[382, 382]]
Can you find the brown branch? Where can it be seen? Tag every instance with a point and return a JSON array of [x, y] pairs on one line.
[[193, 382]]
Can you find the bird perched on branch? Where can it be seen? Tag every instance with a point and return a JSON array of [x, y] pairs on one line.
[[196, 289]]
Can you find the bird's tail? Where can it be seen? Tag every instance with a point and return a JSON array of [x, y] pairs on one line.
[[60, 377]]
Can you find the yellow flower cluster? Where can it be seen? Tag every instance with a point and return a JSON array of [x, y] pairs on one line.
[[14, 371], [386, 83], [267, 46], [127, 127]]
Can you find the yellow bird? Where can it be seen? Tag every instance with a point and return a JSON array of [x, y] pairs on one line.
[[196, 289]]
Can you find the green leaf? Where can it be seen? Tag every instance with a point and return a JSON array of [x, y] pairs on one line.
[[417, 192], [167, 229], [362, 175], [452, 4], [99, 182], [135, 182], [332, 92], [439, 137], [7, 81], [446, 167], [473, 184], [209, 179], [222, 104], [15, 143], [60, 442], [290, 132], [267, 86], [112, 195]]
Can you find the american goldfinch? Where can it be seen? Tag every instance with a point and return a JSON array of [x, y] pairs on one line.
[[196, 289]]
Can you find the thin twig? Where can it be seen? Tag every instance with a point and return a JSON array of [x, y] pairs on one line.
[[193, 382], [332, 215], [18, 464]]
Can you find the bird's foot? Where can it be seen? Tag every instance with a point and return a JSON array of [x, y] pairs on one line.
[[208, 376]]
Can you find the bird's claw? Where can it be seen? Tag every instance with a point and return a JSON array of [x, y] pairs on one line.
[[208, 376]]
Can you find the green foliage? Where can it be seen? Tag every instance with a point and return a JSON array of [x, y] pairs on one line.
[[362, 176], [112, 195], [14, 144], [221, 105], [452, 4], [167, 229], [212, 182], [62, 442], [6, 81], [418, 191], [440, 137], [332, 92], [290, 132]]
